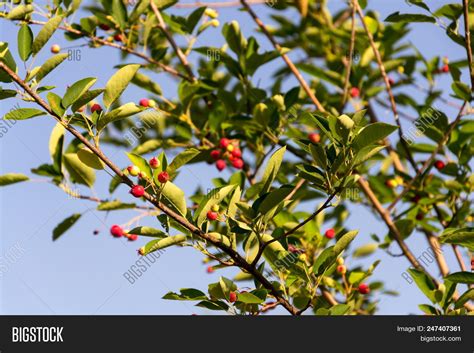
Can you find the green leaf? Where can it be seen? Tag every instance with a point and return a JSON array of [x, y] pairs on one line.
[[141, 163], [56, 142], [249, 298], [147, 83], [371, 134], [271, 170], [118, 82], [273, 199], [182, 159], [12, 178], [148, 232], [115, 205], [397, 17], [76, 90], [119, 13], [234, 38], [23, 114], [213, 305], [90, 159], [79, 172], [319, 155], [20, 12], [119, 113], [325, 260], [344, 241], [55, 103], [7, 93], [7, 58], [214, 197], [174, 197], [65, 225], [45, 34], [49, 65], [461, 277], [460, 236], [462, 91], [466, 297], [25, 40], [158, 244], [365, 250], [86, 98], [186, 294], [424, 282]]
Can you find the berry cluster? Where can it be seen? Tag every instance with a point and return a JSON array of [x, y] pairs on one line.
[[118, 232], [229, 149], [133, 170]]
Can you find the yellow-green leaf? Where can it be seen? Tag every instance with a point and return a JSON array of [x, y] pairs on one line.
[[118, 82]]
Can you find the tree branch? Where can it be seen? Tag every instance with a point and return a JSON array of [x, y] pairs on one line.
[[238, 259], [285, 57]]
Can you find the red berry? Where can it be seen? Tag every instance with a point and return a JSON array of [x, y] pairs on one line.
[[416, 198], [238, 163], [215, 154], [163, 177], [223, 143], [212, 216], [440, 165], [144, 102], [116, 231], [221, 164], [445, 68], [96, 108], [355, 92], [154, 163], [210, 269], [104, 27], [236, 153], [314, 137], [391, 81], [330, 233], [132, 237], [137, 191], [364, 288], [232, 297], [118, 37]]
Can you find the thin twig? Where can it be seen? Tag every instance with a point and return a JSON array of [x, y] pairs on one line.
[[179, 53], [428, 162], [351, 53], [383, 72], [467, 30], [285, 57]]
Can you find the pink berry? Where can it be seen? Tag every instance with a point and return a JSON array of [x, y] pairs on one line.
[[137, 191], [224, 142], [220, 165], [215, 154], [96, 108], [163, 177], [116, 231], [154, 163], [330, 233], [238, 163], [364, 288], [236, 153], [132, 237], [144, 102], [212, 216]]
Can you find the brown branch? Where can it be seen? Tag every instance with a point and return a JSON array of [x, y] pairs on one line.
[[123, 48], [389, 222], [179, 53], [351, 53], [223, 4], [285, 57], [383, 72], [467, 29], [238, 259], [429, 162]]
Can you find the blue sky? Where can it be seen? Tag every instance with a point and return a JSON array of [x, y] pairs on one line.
[[82, 273]]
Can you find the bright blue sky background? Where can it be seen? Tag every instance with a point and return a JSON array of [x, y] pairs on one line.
[[82, 273]]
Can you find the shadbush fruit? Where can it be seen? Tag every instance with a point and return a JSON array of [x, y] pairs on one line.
[[364, 288], [330, 233], [116, 231], [137, 191], [163, 177]]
